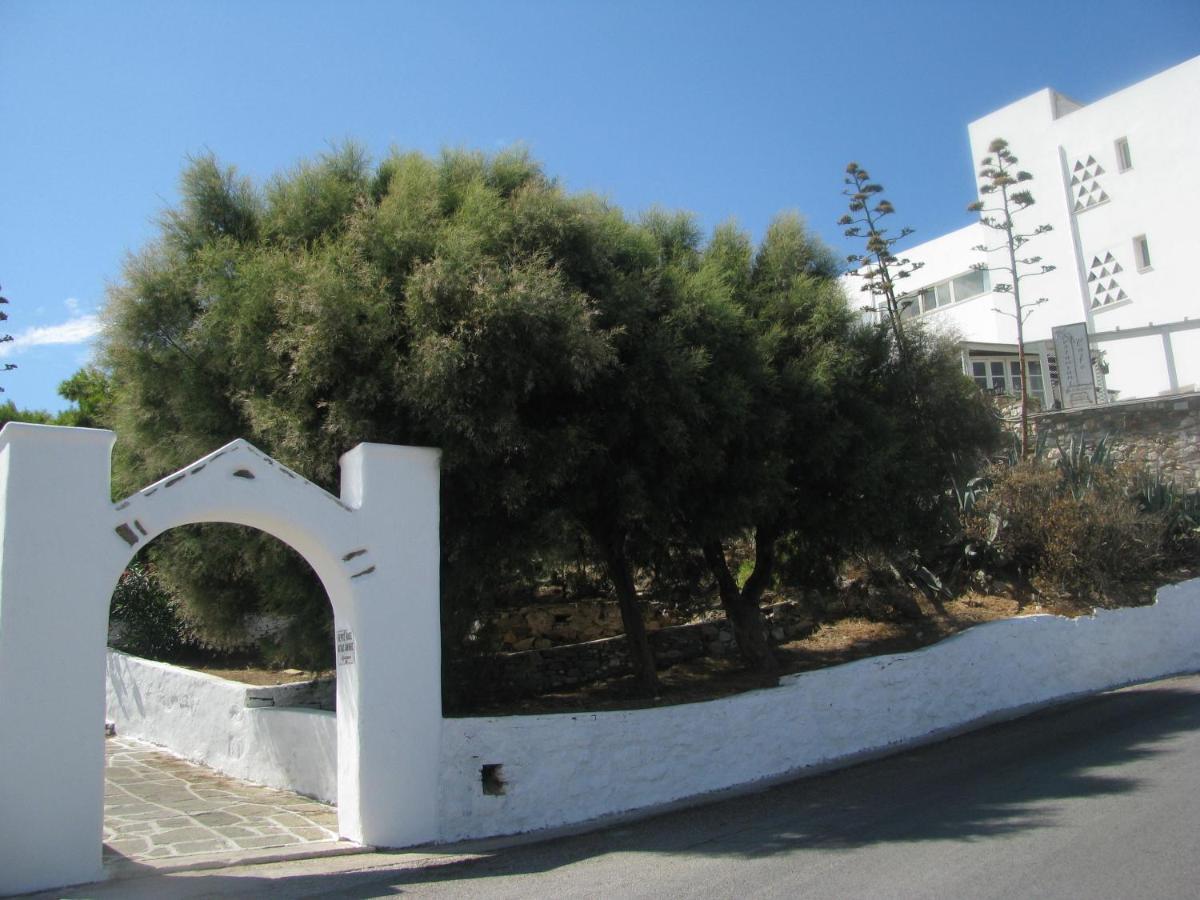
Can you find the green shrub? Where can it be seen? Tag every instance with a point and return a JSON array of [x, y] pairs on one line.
[[143, 618]]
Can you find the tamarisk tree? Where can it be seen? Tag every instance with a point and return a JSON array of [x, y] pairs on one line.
[[999, 178], [879, 267]]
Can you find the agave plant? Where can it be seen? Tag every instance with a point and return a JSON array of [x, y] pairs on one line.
[[1079, 467]]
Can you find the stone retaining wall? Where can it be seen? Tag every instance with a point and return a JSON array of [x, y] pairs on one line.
[[1159, 434], [529, 672]]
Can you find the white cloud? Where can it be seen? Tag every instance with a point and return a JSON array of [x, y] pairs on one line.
[[76, 330], [72, 305]]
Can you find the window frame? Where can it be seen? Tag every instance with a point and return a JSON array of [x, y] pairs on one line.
[[926, 299], [1141, 253], [1124, 156]]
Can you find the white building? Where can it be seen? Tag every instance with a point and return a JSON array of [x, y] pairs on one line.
[[1112, 179]]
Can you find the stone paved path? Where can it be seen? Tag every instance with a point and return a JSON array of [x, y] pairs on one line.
[[157, 806]]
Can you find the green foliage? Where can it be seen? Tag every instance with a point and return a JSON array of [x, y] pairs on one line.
[[9, 412], [88, 389], [143, 617], [606, 392], [1179, 510]]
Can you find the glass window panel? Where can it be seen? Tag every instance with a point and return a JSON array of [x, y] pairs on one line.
[[942, 292], [1014, 369], [928, 300], [908, 307], [1141, 248], [979, 373], [998, 381], [1124, 159], [1037, 385], [970, 285]]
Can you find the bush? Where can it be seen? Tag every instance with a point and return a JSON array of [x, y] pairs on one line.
[[143, 619], [1066, 533]]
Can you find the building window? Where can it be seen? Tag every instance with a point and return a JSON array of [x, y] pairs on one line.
[[1036, 384], [953, 290], [1141, 252], [1003, 376], [1124, 160]]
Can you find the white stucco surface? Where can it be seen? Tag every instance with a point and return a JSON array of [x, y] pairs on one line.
[[565, 769], [1071, 147], [63, 545], [206, 720]]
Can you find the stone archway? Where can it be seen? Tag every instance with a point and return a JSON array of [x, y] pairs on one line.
[[63, 544]]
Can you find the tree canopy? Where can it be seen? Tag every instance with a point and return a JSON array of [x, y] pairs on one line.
[[600, 386]]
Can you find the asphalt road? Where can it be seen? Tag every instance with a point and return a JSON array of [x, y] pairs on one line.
[[1096, 799]]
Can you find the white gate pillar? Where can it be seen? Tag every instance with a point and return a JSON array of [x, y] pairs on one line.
[[394, 669], [63, 544], [56, 565]]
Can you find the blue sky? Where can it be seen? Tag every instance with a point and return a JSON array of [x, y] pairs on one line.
[[728, 109]]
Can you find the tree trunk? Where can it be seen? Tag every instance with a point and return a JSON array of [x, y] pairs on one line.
[[742, 607], [621, 573]]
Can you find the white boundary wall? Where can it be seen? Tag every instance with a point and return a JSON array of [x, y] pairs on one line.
[[567, 769], [205, 719]]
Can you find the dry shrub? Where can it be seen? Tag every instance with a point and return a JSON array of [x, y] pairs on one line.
[[1077, 540]]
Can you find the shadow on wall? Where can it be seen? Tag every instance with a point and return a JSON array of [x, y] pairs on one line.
[[122, 685]]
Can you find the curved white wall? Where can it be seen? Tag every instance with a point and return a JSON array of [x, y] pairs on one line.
[[565, 769], [205, 719]]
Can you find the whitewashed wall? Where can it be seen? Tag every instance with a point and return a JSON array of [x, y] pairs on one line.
[[205, 719], [571, 768], [565, 769]]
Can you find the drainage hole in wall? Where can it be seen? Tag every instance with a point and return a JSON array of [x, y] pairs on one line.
[[491, 777]]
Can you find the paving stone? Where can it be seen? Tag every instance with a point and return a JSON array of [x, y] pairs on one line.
[[160, 807], [215, 818], [250, 809], [175, 835], [288, 819], [315, 834], [234, 831], [134, 828], [212, 845], [130, 846], [272, 840]]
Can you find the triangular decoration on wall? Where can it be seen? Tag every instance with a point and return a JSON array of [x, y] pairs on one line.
[[1108, 257], [1103, 196], [1117, 268], [1091, 161], [1122, 296], [1092, 277], [1074, 179], [1099, 171], [1078, 166]]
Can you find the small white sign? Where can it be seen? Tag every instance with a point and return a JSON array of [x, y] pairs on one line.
[[345, 647], [1074, 356]]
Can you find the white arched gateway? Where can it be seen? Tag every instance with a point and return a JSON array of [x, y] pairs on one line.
[[64, 544]]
